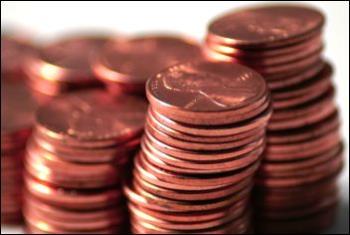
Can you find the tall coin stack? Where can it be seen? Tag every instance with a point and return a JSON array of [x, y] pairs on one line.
[[17, 119], [63, 66], [296, 185], [125, 65], [75, 162], [204, 135]]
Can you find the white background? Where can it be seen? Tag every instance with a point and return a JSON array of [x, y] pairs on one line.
[[48, 20]]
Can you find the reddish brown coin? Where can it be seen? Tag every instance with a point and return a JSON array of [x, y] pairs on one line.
[[123, 64], [173, 94], [92, 118], [268, 26]]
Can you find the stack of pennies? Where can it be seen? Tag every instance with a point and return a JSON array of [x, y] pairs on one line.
[[204, 135], [63, 66], [75, 162], [125, 65], [14, 52], [296, 185], [17, 118]]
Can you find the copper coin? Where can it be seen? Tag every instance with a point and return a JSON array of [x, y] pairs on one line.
[[72, 199], [194, 180], [67, 60], [69, 225], [211, 131], [92, 118], [311, 131], [17, 110], [207, 92], [194, 217], [312, 224], [140, 215], [157, 146], [141, 197], [266, 26], [72, 215], [287, 80], [116, 154], [125, 61], [201, 146], [263, 53], [321, 145], [194, 138], [51, 169], [190, 167], [275, 167], [187, 195], [333, 167]]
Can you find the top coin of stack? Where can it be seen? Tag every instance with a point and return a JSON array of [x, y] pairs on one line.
[[204, 134], [63, 66], [304, 151], [125, 65]]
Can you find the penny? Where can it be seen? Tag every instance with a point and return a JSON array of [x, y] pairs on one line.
[[193, 180], [157, 146], [187, 195], [305, 133], [200, 146], [266, 53], [72, 199], [194, 217], [189, 167], [67, 60], [263, 27], [92, 118], [333, 167], [123, 63], [150, 120], [116, 154], [172, 91], [223, 130]]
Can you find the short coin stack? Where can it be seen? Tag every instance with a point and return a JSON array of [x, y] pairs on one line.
[[63, 66], [125, 65], [296, 186], [17, 118], [204, 135], [75, 161]]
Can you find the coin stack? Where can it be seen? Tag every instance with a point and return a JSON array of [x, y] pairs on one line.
[[125, 65], [204, 135], [63, 66], [17, 118], [75, 162], [296, 185]]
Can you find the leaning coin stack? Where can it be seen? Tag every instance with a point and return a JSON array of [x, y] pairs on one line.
[[17, 118], [296, 185], [125, 65], [75, 160], [204, 135], [63, 66]]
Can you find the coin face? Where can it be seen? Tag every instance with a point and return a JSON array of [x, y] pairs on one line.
[[205, 87], [266, 25], [135, 60], [92, 116]]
